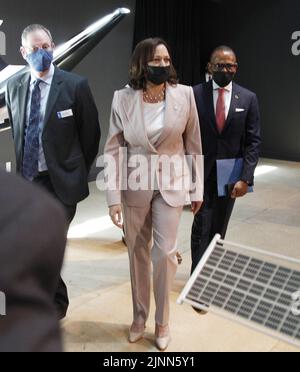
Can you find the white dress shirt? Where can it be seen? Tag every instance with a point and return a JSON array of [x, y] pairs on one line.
[[227, 97], [45, 86], [154, 117]]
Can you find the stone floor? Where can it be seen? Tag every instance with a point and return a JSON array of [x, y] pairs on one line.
[[97, 274]]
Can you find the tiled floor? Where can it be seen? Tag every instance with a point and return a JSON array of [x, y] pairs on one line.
[[97, 273]]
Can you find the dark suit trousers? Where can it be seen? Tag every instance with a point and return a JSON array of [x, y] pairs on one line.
[[61, 299], [212, 219]]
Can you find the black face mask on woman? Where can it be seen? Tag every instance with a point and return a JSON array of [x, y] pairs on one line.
[[223, 78], [158, 75]]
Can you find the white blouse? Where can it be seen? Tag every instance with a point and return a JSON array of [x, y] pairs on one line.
[[154, 117]]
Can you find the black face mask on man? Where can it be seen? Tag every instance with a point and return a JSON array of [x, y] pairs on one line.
[[223, 78], [158, 75]]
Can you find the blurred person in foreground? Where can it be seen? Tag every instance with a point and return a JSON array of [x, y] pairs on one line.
[[33, 231]]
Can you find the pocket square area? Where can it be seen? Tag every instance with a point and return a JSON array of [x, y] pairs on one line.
[[239, 110]]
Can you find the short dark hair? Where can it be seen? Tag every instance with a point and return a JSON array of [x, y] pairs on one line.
[[142, 55], [222, 48], [32, 28]]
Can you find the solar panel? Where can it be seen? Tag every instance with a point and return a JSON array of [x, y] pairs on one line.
[[250, 286]]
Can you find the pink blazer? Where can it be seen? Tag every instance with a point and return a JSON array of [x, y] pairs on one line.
[[180, 136]]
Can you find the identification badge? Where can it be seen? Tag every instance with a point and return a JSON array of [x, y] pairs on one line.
[[65, 114]]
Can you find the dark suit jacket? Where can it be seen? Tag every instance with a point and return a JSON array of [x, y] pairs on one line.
[[3, 64], [32, 244], [70, 144], [241, 137]]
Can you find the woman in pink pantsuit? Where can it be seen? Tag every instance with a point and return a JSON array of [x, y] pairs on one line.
[[153, 118]]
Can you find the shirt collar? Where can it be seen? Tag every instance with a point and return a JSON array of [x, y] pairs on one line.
[[216, 87], [47, 79]]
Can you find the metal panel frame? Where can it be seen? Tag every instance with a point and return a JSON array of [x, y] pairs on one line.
[[227, 314]]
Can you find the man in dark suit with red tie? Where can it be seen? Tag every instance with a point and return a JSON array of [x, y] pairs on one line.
[[230, 127]]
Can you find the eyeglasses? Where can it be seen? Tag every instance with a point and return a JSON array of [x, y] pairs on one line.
[[35, 49], [227, 66]]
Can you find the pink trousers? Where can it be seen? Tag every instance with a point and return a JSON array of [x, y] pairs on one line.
[[151, 236]]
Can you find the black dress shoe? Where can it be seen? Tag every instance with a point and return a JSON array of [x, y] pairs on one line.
[[61, 300], [199, 311], [179, 258], [61, 313]]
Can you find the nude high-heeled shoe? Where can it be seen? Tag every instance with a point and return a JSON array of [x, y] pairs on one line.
[[136, 333], [163, 337]]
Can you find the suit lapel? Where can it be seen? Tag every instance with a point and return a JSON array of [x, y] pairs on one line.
[[135, 117], [23, 90], [133, 110], [233, 106], [209, 105], [54, 93], [173, 108]]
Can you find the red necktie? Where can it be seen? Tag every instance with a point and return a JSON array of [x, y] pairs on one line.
[[220, 112]]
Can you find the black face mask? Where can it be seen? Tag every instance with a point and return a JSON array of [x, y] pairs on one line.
[[223, 78], [158, 75]]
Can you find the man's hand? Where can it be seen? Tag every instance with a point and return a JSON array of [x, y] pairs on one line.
[[196, 206], [240, 190], [115, 213]]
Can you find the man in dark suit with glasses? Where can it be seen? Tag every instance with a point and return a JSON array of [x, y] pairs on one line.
[[230, 127], [55, 128]]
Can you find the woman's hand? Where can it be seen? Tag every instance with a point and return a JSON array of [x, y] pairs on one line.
[[196, 206], [115, 213]]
